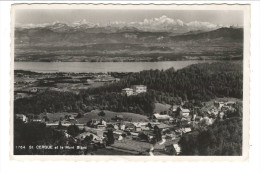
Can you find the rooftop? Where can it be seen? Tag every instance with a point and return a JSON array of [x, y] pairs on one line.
[[185, 110], [127, 89], [161, 117]]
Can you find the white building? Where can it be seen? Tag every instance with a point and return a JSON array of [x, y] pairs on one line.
[[177, 148], [139, 89], [219, 105], [134, 90], [184, 112], [161, 117], [22, 117], [128, 91]]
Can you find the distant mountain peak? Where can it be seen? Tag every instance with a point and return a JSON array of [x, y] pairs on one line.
[[157, 24]]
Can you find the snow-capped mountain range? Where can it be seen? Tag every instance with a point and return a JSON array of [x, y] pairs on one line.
[[160, 24]]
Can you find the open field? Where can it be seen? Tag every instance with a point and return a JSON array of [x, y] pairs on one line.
[[135, 146], [159, 107], [94, 115], [109, 115]]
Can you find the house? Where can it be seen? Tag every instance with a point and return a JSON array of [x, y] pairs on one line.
[[174, 110], [163, 126], [224, 108], [37, 120], [33, 90], [98, 132], [230, 103], [177, 148], [213, 112], [137, 89], [22, 117], [183, 130], [167, 147], [21, 95], [161, 118], [184, 112], [67, 135], [93, 123], [145, 128], [118, 132], [221, 115], [70, 118], [193, 117], [116, 127], [96, 138], [187, 130], [122, 126], [172, 135], [198, 118], [128, 91], [66, 123], [134, 134], [219, 104], [130, 127], [138, 128], [207, 121], [103, 122], [101, 126]]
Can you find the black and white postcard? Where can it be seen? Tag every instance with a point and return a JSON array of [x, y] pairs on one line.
[[142, 82]]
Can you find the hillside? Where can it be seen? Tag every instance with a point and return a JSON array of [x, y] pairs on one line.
[[63, 43], [198, 82], [109, 115], [225, 33]]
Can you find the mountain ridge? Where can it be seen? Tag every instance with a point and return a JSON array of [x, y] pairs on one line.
[[126, 44], [157, 24]]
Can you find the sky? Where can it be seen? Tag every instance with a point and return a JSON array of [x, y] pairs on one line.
[[40, 16]]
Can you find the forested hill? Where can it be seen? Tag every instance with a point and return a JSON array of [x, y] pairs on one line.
[[198, 81], [227, 33]]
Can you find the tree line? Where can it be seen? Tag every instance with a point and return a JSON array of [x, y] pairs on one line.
[[221, 138], [199, 82]]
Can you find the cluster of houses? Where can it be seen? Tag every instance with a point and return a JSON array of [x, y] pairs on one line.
[[172, 124], [105, 78], [134, 90]]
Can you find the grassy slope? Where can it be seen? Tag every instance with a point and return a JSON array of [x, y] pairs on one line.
[[94, 115], [159, 107]]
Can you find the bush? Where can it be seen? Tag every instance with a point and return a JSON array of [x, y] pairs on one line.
[[73, 130], [102, 114]]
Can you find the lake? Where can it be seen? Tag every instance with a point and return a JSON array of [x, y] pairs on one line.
[[96, 67]]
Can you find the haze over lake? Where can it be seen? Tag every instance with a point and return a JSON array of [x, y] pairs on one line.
[[96, 67]]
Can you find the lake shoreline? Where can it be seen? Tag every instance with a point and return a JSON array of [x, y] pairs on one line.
[[102, 67]]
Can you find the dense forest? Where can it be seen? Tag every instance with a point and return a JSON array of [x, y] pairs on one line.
[[29, 137], [222, 138], [37, 134], [199, 82], [52, 101]]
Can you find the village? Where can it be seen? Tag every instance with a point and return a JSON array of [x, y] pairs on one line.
[[158, 134]]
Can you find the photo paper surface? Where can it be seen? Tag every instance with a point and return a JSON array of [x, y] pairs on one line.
[[134, 82]]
